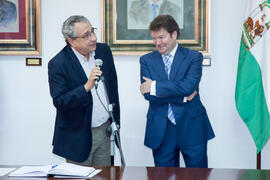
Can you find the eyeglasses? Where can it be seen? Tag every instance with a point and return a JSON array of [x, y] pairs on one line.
[[87, 34]]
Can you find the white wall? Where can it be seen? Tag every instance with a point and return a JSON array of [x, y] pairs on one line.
[[27, 114]]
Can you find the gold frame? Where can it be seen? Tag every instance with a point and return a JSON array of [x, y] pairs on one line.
[[31, 44], [200, 41]]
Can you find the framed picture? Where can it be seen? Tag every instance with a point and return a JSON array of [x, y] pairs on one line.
[[125, 24], [20, 31]]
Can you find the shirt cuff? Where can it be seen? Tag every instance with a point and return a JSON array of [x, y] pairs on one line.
[[153, 88], [153, 91], [185, 99]]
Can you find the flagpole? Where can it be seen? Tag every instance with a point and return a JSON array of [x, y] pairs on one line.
[[259, 160]]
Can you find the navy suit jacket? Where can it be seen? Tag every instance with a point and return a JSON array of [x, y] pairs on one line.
[[192, 123], [72, 134]]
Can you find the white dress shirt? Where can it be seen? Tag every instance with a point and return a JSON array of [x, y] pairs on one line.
[[99, 114]]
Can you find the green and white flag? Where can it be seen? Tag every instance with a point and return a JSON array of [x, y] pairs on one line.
[[252, 93]]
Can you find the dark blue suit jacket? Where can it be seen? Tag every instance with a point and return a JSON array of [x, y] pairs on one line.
[[191, 118], [72, 135]]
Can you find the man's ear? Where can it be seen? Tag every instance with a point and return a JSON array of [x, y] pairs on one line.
[[174, 34], [70, 41]]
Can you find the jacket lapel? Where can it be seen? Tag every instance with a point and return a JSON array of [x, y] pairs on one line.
[[99, 55], [75, 64], [178, 60], [159, 66]]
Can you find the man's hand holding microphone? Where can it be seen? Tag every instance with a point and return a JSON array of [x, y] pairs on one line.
[[94, 76]]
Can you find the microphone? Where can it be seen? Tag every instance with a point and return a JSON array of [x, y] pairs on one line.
[[98, 63]]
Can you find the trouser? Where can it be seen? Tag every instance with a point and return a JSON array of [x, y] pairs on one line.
[[100, 152], [167, 154]]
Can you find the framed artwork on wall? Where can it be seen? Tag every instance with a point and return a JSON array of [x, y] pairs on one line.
[[125, 24], [20, 31]]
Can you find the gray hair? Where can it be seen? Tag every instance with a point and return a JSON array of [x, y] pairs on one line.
[[68, 26]]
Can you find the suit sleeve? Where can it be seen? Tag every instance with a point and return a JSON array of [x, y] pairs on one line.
[[155, 99], [187, 85], [65, 98]]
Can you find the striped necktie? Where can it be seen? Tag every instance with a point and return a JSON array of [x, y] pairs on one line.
[[154, 9], [168, 65]]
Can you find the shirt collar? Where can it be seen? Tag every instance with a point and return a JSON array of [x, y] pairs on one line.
[[172, 53], [81, 58]]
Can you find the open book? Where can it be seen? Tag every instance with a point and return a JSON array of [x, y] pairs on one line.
[[63, 170]]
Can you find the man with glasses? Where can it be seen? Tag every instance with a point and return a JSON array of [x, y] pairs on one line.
[[80, 134], [169, 75]]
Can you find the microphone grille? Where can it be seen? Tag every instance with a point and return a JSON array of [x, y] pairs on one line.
[[98, 62]]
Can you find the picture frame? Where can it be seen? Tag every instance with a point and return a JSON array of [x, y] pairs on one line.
[[22, 36], [124, 39]]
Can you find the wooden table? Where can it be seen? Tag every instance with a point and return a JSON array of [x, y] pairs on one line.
[[162, 173]]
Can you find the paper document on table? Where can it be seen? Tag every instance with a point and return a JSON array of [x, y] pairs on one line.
[[89, 176], [62, 170], [31, 171], [4, 171]]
